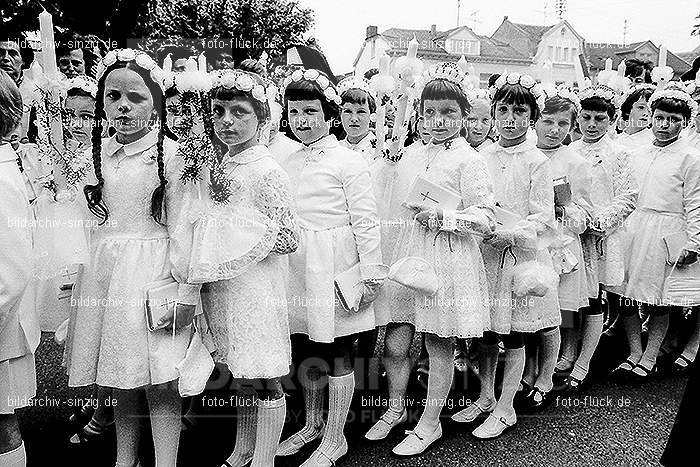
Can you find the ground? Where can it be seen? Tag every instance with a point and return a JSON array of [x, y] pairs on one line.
[[608, 425]]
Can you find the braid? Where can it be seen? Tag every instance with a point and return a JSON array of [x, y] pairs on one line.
[[93, 193], [158, 198]]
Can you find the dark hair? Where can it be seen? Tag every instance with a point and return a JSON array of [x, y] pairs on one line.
[[78, 92], [636, 67], [690, 74], [493, 78], [670, 105], [93, 193], [626, 107], [306, 90], [516, 94], [440, 89], [261, 109], [10, 105], [359, 97], [598, 104], [370, 73], [252, 66], [556, 104], [26, 53], [71, 42]]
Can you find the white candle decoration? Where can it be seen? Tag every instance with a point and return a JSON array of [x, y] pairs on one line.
[[622, 68], [662, 55], [462, 62], [190, 64], [412, 48], [168, 63], [578, 72], [608, 64], [48, 46], [202, 62]]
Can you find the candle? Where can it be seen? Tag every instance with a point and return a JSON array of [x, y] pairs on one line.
[[168, 63], [412, 48], [662, 55], [462, 62], [547, 72], [578, 72], [48, 46], [190, 64], [622, 68], [202, 62], [608, 64], [384, 65]]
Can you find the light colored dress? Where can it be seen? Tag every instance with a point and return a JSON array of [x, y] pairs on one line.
[[573, 289], [19, 329], [282, 146], [247, 313], [112, 345], [460, 307], [522, 178], [339, 227], [669, 202], [633, 142], [614, 197], [366, 146]]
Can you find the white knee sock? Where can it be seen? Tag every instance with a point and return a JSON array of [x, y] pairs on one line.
[[15, 458], [591, 331], [549, 349], [246, 414], [439, 383], [512, 374], [340, 392], [270, 421], [488, 360], [658, 326], [569, 347]]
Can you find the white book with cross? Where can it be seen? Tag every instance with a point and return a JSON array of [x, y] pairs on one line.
[[423, 192], [159, 298]]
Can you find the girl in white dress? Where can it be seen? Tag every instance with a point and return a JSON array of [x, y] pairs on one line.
[[523, 185], [669, 203], [357, 111], [479, 120], [449, 241], [244, 298], [614, 197], [558, 118], [339, 231], [635, 117], [136, 203]]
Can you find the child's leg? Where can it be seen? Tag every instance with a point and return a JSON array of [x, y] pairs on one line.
[[271, 412], [569, 347], [165, 407], [128, 411], [550, 341], [629, 312], [531, 360], [690, 350], [488, 360], [658, 325], [246, 419], [591, 329], [12, 453], [439, 381], [514, 344]]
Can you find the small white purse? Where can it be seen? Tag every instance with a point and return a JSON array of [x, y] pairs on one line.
[[196, 368], [415, 273], [682, 286]]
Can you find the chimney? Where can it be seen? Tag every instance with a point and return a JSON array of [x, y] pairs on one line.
[[433, 29], [371, 32]]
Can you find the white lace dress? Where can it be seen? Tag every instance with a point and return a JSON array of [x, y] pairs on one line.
[[247, 312], [339, 227], [112, 345], [573, 288], [460, 307], [669, 202], [522, 178], [614, 197]]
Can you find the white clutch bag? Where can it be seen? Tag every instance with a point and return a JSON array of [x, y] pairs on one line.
[[415, 273], [682, 286], [159, 298], [423, 192], [195, 368], [674, 244], [348, 288]]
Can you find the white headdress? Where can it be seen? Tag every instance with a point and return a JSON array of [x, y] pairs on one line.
[[600, 90], [526, 81], [85, 83], [447, 71], [353, 82], [675, 90], [142, 59], [329, 91], [243, 81], [564, 93]]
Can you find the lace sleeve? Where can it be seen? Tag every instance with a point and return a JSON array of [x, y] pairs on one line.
[[276, 202], [625, 192], [477, 199]]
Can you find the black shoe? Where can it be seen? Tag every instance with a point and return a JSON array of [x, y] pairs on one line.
[[537, 399]]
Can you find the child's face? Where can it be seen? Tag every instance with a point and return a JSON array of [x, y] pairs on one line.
[[307, 120], [479, 123], [443, 118], [552, 128], [667, 125], [424, 133], [593, 125], [512, 120], [235, 121], [355, 119], [80, 111], [128, 102], [639, 115]]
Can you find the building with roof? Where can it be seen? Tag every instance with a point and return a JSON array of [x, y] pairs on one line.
[[597, 53]]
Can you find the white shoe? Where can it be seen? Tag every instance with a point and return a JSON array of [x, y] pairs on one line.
[[415, 444], [320, 459], [381, 429], [472, 412], [495, 426], [295, 442]]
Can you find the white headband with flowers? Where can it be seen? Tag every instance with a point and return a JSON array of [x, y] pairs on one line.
[[329, 91], [634, 88], [353, 82], [564, 93], [142, 59], [600, 90], [85, 83], [676, 91], [448, 71], [526, 81], [242, 81]]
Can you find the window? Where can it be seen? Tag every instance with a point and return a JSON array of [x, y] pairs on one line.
[[471, 47], [557, 56], [457, 46], [550, 52], [484, 80], [574, 54], [566, 54]]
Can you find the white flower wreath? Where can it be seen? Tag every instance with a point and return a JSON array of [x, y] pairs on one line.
[[353, 82], [600, 90], [526, 81], [447, 71], [85, 83], [329, 91], [676, 91], [142, 59], [564, 93], [240, 80]]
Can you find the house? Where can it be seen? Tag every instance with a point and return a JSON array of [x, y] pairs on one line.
[[597, 53]]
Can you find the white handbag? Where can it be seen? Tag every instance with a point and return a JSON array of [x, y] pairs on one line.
[[415, 273], [196, 368], [682, 286], [159, 298]]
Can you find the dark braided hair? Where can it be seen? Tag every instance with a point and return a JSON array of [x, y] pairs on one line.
[[93, 193]]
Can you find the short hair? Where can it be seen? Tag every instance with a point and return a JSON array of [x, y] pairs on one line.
[[439, 89], [598, 104], [556, 104], [493, 78], [261, 109], [370, 73], [10, 105], [78, 92], [25, 52], [626, 107], [516, 94], [359, 97], [670, 105], [252, 66], [636, 67], [307, 90]]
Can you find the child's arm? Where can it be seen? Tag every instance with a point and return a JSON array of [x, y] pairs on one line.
[[625, 192], [276, 202], [691, 206], [529, 233], [577, 215]]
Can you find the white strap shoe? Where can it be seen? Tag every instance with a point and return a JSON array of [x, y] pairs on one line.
[[494, 426], [415, 443], [384, 425]]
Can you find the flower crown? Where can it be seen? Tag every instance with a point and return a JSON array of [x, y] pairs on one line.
[[82, 82], [676, 91], [243, 81], [447, 71], [353, 82], [475, 94], [634, 88], [526, 81], [691, 87], [563, 93], [600, 90], [329, 91], [142, 59]]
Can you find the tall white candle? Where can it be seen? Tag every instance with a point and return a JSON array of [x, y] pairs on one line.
[[462, 62], [412, 48], [202, 62], [622, 68], [191, 64], [48, 46], [384, 65], [608, 64], [662, 55], [168, 63]]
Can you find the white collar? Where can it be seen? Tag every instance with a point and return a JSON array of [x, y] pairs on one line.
[[111, 146], [526, 145], [249, 155], [328, 141], [364, 143], [7, 153]]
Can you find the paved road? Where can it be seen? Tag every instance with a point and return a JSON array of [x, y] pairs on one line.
[[608, 425]]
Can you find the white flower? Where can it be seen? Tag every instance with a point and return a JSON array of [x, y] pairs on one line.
[[311, 75], [158, 76], [145, 62], [259, 93], [228, 81], [127, 55], [527, 81], [244, 83], [110, 59], [297, 75], [329, 93], [323, 82], [513, 78]]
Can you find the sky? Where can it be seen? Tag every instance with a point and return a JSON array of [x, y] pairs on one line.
[[341, 24]]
